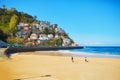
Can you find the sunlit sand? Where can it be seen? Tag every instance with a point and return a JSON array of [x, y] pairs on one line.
[[28, 66]]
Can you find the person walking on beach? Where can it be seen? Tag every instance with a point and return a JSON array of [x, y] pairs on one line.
[[72, 59], [86, 59]]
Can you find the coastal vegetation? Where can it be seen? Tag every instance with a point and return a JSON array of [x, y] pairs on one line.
[[23, 29]]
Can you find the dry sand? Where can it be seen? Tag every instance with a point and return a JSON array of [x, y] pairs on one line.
[[45, 67]]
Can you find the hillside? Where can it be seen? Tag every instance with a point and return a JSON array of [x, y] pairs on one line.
[[6, 15], [23, 29]]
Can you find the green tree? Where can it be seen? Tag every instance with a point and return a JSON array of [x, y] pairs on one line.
[[52, 32], [46, 31], [13, 22], [3, 36], [59, 42], [13, 40]]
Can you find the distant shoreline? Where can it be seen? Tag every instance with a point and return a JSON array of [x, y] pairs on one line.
[[67, 53], [64, 51]]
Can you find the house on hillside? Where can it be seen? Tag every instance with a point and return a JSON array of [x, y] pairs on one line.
[[19, 34], [41, 41], [35, 24], [36, 31], [53, 26], [50, 36], [66, 42], [33, 36], [33, 27], [26, 28], [45, 23], [43, 37], [41, 28], [56, 30], [57, 35], [23, 24], [23, 33], [19, 27], [59, 30]]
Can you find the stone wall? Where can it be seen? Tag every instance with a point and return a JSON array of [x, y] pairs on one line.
[[2, 53]]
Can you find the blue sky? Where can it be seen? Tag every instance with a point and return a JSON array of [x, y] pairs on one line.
[[88, 22]]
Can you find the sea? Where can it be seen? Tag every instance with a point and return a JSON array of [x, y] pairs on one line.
[[95, 51]]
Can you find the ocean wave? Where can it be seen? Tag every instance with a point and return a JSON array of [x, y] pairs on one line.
[[64, 51], [89, 54], [86, 54]]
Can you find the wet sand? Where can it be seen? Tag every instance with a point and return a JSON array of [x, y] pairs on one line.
[[30, 66]]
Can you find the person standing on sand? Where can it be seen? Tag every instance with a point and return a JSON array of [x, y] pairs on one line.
[[72, 59], [86, 59]]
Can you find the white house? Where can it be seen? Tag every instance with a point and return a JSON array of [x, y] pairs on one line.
[[56, 30], [19, 27], [59, 30], [57, 36], [41, 28], [43, 37], [33, 36], [50, 36], [66, 42], [54, 26], [45, 23], [35, 24], [23, 24]]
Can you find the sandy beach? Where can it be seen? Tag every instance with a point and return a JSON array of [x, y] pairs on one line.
[[30, 66]]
